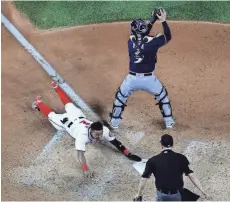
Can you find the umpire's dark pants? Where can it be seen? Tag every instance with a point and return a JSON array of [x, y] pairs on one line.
[[168, 197]]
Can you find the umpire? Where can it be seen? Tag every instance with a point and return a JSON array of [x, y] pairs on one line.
[[168, 168]]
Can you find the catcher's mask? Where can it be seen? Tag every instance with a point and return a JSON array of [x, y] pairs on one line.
[[139, 26]]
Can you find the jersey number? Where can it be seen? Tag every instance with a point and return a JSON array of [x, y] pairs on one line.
[[65, 120]]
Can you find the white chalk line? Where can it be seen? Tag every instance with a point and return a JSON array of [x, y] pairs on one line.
[[47, 149], [54, 76]]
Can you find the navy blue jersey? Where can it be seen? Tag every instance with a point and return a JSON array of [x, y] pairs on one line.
[[142, 52]]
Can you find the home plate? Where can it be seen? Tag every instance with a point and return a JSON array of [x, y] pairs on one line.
[[140, 166]]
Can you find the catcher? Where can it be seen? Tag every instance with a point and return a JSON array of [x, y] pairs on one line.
[[81, 129], [143, 50]]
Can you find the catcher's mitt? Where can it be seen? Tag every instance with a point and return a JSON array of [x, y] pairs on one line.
[[156, 11], [133, 157]]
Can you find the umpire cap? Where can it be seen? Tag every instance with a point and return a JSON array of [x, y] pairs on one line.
[[166, 140]]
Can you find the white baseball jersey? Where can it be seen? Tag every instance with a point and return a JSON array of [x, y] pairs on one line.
[[75, 123]]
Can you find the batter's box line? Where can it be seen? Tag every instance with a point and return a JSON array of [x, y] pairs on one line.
[[47, 149]]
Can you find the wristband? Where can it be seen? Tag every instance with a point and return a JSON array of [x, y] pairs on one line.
[[84, 167], [126, 152]]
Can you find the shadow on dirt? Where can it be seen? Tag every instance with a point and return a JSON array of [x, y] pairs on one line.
[[101, 111]]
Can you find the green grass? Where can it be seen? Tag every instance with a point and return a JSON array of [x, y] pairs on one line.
[[51, 14]]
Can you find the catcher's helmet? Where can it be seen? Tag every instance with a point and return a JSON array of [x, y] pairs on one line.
[[139, 26]]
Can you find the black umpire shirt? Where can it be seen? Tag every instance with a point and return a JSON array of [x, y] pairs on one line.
[[168, 168]]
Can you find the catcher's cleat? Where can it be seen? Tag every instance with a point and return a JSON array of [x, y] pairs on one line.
[[112, 126], [54, 84], [169, 124]]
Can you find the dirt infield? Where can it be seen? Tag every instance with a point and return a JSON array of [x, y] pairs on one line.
[[194, 67]]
